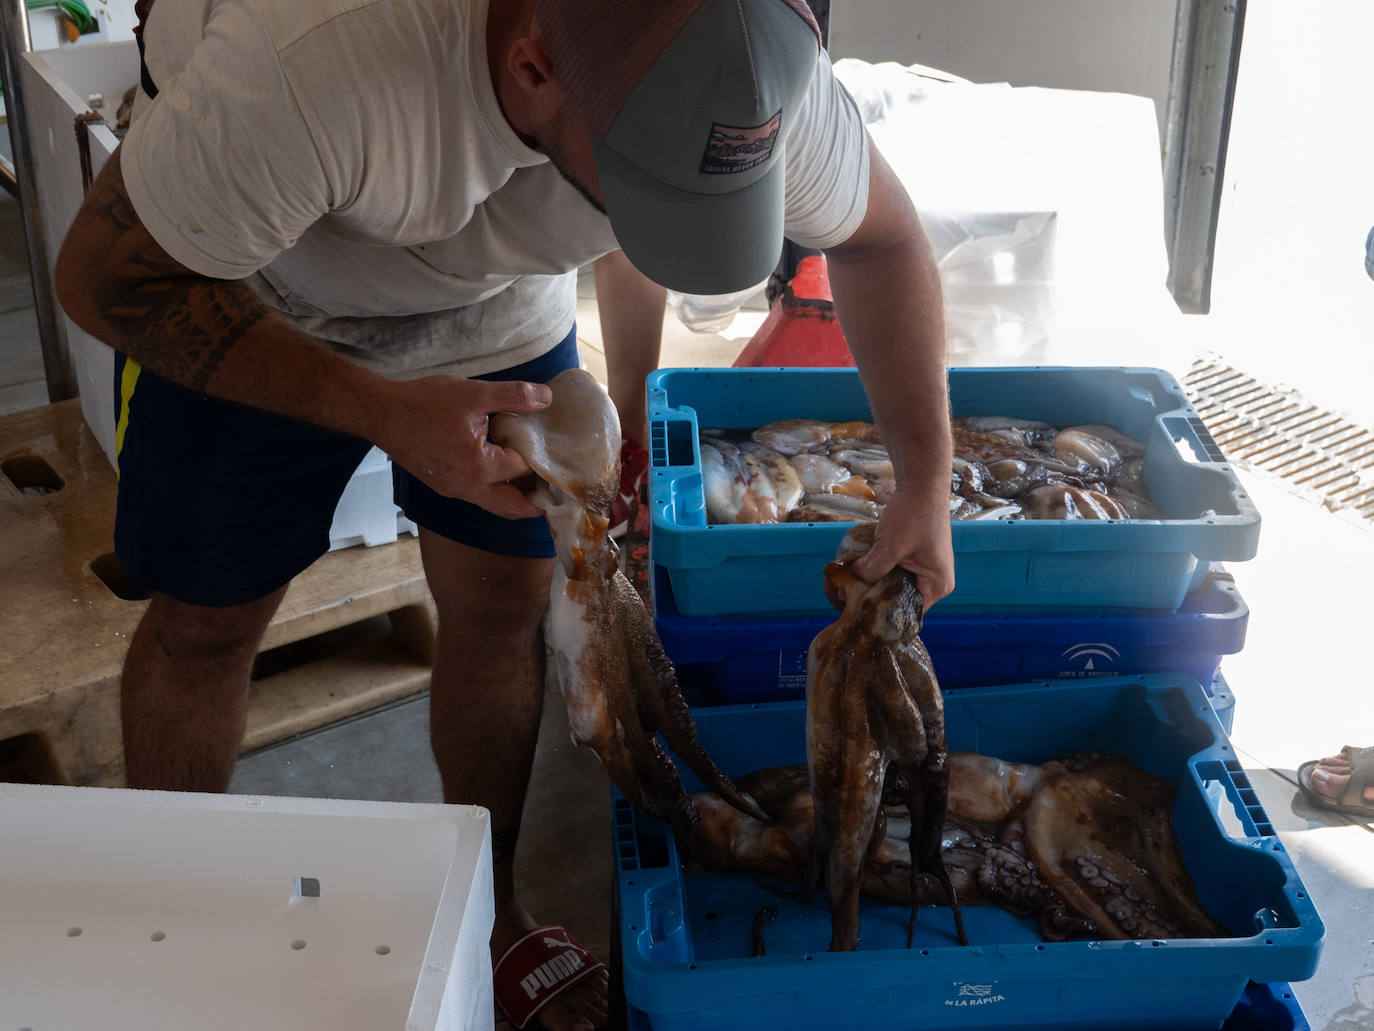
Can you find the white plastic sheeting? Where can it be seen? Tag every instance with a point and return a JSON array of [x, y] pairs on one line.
[[1046, 208]]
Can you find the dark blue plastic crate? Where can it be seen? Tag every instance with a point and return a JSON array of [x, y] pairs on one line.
[[687, 934], [731, 661], [1263, 1007], [999, 565]]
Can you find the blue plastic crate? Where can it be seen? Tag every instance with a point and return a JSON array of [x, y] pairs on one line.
[[1223, 701], [999, 565], [731, 661], [686, 936], [1263, 1007]]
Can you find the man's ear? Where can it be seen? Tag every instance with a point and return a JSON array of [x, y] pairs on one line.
[[529, 65]]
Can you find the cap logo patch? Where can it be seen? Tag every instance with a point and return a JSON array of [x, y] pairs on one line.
[[731, 149]]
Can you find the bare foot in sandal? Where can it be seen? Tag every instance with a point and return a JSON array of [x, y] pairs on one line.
[[1344, 782], [544, 977]]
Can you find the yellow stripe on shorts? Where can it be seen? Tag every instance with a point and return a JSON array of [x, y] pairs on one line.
[[127, 381]]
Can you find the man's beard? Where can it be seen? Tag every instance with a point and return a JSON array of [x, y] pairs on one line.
[[549, 144]]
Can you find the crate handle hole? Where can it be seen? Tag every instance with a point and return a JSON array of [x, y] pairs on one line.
[[113, 574], [32, 476]]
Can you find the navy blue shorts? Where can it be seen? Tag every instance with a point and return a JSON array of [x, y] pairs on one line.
[[221, 504]]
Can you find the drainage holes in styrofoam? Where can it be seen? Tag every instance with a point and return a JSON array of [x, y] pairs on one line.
[[298, 944], [383, 950], [157, 936], [115, 576], [31, 476], [73, 932]]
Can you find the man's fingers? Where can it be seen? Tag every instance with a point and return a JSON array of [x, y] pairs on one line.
[[503, 463], [932, 587], [873, 563], [933, 583], [516, 396]]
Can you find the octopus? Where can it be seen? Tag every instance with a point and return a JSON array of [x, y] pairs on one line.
[[821, 474], [873, 704], [620, 688], [747, 482], [1060, 501], [1082, 845], [834, 508], [1003, 469]]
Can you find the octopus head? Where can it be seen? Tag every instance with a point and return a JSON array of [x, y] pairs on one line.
[[573, 446]]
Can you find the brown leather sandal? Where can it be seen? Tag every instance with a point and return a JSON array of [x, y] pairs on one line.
[[1352, 801]]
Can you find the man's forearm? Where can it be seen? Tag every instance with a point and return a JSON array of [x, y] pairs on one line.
[[210, 335], [631, 308], [892, 309]]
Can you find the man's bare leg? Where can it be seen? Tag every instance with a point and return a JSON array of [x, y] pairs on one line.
[[184, 694], [486, 698]]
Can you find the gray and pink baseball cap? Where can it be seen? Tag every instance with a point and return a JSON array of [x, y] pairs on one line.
[[687, 102]]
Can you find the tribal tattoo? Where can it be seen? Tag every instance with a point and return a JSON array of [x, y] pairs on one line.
[[180, 324]]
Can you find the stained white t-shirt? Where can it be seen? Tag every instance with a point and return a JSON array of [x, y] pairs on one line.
[[350, 157]]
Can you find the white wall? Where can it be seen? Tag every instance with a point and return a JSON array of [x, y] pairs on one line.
[[1116, 46]]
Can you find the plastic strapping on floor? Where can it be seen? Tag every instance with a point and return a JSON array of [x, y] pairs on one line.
[[1320, 454]]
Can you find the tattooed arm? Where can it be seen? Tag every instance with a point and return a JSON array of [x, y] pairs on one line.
[[214, 336]]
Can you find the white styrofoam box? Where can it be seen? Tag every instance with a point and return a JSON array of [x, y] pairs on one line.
[[56, 86], [153, 910], [366, 514]]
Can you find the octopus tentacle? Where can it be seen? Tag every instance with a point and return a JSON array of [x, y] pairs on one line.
[[874, 709], [667, 712], [610, 665]]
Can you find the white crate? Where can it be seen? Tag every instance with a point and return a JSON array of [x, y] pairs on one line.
[[366, 513], [57, 85], [151, 910]]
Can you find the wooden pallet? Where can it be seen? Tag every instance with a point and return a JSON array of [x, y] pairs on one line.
[[354, 631]]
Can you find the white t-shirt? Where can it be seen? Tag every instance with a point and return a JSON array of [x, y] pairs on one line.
[[352, 154]]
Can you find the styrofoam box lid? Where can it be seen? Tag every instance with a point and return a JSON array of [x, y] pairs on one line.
[[125, 909]]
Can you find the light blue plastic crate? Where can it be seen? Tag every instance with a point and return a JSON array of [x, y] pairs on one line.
[[686, 933], [1000, 566]]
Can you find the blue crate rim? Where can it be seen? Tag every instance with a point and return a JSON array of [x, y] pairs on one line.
[[971, 535]]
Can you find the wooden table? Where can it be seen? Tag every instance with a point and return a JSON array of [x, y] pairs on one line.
[[354, 631]]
